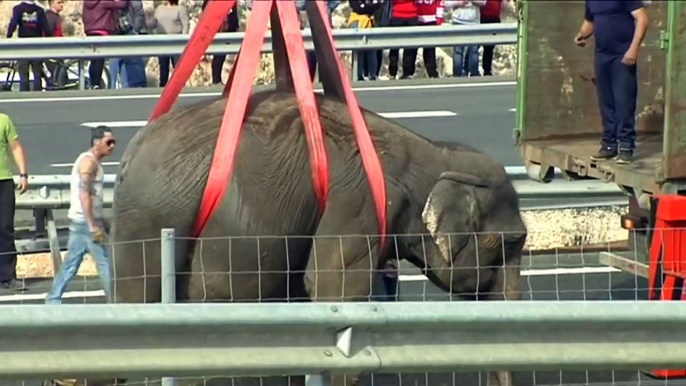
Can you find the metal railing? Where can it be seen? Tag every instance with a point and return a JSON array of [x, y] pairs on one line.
[[52, 192], [319, 339], [178, 340], [92, 47], [345, 39]]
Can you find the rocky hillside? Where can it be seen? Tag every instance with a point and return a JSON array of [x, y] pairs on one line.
[[504, 60]]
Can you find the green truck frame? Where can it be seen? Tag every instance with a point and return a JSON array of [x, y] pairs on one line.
[[558, 121]]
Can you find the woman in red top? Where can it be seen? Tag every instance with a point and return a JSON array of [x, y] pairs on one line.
[[427, 14], [404, 13], [490, 14]]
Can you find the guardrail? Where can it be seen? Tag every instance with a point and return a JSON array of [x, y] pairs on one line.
[[345, 39], [178, 340], [91, 47], [52, 192]]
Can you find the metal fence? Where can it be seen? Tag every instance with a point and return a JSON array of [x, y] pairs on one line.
[[279, 339], [48, 193], [92, 47]]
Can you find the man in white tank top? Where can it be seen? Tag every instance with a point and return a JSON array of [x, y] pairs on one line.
[[86, 219]]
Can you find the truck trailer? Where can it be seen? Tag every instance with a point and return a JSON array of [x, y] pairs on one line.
[[559, 127]]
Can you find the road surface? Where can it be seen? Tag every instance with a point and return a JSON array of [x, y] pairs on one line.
[[54, 126], [551, 277]]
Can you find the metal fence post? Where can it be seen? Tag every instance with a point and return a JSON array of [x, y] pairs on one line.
[[168, 270], [168, 276]]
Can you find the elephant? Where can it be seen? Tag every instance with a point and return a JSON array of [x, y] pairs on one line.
[[453, 211]]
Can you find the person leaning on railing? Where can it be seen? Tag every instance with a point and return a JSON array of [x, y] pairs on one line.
[[169, 18], [362, 17], [465, 57], [9, 141], [57, 78], [230, 24], [400, 13], [100, 18], [30, 21], [428, 15]]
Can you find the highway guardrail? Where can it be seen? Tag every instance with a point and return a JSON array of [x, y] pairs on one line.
[[92, 47], [191, 340], [52, 192]]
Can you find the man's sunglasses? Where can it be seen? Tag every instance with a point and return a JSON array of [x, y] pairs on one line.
[[110, 142]]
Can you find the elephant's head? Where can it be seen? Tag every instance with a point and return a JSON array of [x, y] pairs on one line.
[[473, 225]]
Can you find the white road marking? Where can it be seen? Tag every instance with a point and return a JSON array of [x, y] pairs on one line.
[[513, 110], [389, 115], [536, 272], [525, 273], [68, 165], [211, 94], [418, 114], [41, 296]]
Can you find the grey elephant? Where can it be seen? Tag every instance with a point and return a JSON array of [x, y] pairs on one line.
[[452, 211]]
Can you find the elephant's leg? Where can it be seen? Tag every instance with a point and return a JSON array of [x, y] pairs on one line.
[[341, 267], [508, 285]]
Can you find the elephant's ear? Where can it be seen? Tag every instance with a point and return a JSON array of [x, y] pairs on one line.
[[452, 207]]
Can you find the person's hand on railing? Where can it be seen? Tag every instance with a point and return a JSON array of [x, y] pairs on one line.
[[23, 184]]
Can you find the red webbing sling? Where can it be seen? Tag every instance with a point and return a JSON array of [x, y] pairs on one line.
[[239, 93], [370, 159]]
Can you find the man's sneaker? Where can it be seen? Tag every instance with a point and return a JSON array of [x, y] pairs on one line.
[[13, 285], [625, 157], [605, 153]]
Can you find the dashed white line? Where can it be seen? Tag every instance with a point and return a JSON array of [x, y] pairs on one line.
[[513, 110], [389, 115], [406, 278], [68, 165]]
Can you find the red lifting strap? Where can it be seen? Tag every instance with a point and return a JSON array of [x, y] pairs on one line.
[[239, 89]]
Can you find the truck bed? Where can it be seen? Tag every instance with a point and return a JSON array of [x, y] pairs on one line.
[[558, 119], [574, 154]]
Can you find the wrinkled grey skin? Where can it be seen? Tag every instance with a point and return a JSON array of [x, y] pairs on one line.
[[432, 189]]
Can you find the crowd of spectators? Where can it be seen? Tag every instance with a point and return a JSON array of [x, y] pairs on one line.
[[127, 17]]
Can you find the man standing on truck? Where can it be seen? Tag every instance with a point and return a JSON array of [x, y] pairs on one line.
[[619, 27]]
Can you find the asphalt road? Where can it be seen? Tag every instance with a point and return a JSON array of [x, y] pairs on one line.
[[552, 277], [53, 126]]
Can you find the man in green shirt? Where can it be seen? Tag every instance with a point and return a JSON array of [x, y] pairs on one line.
[[9, 142]]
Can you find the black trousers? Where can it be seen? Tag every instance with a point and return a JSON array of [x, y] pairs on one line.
[[487, 57], [36, 69], [429, 55], [165, 61], [409, 54], [8, 252], [95, 68], [617, 87]]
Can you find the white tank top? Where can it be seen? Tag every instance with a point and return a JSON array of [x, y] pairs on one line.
[[75, 208]]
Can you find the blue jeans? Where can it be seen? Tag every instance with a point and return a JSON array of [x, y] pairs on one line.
[[466, 60], [135, 72], [617, 87], [366, 60], [80, 242], [117, 68]]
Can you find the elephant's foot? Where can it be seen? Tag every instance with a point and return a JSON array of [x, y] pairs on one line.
[[500, 378]]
